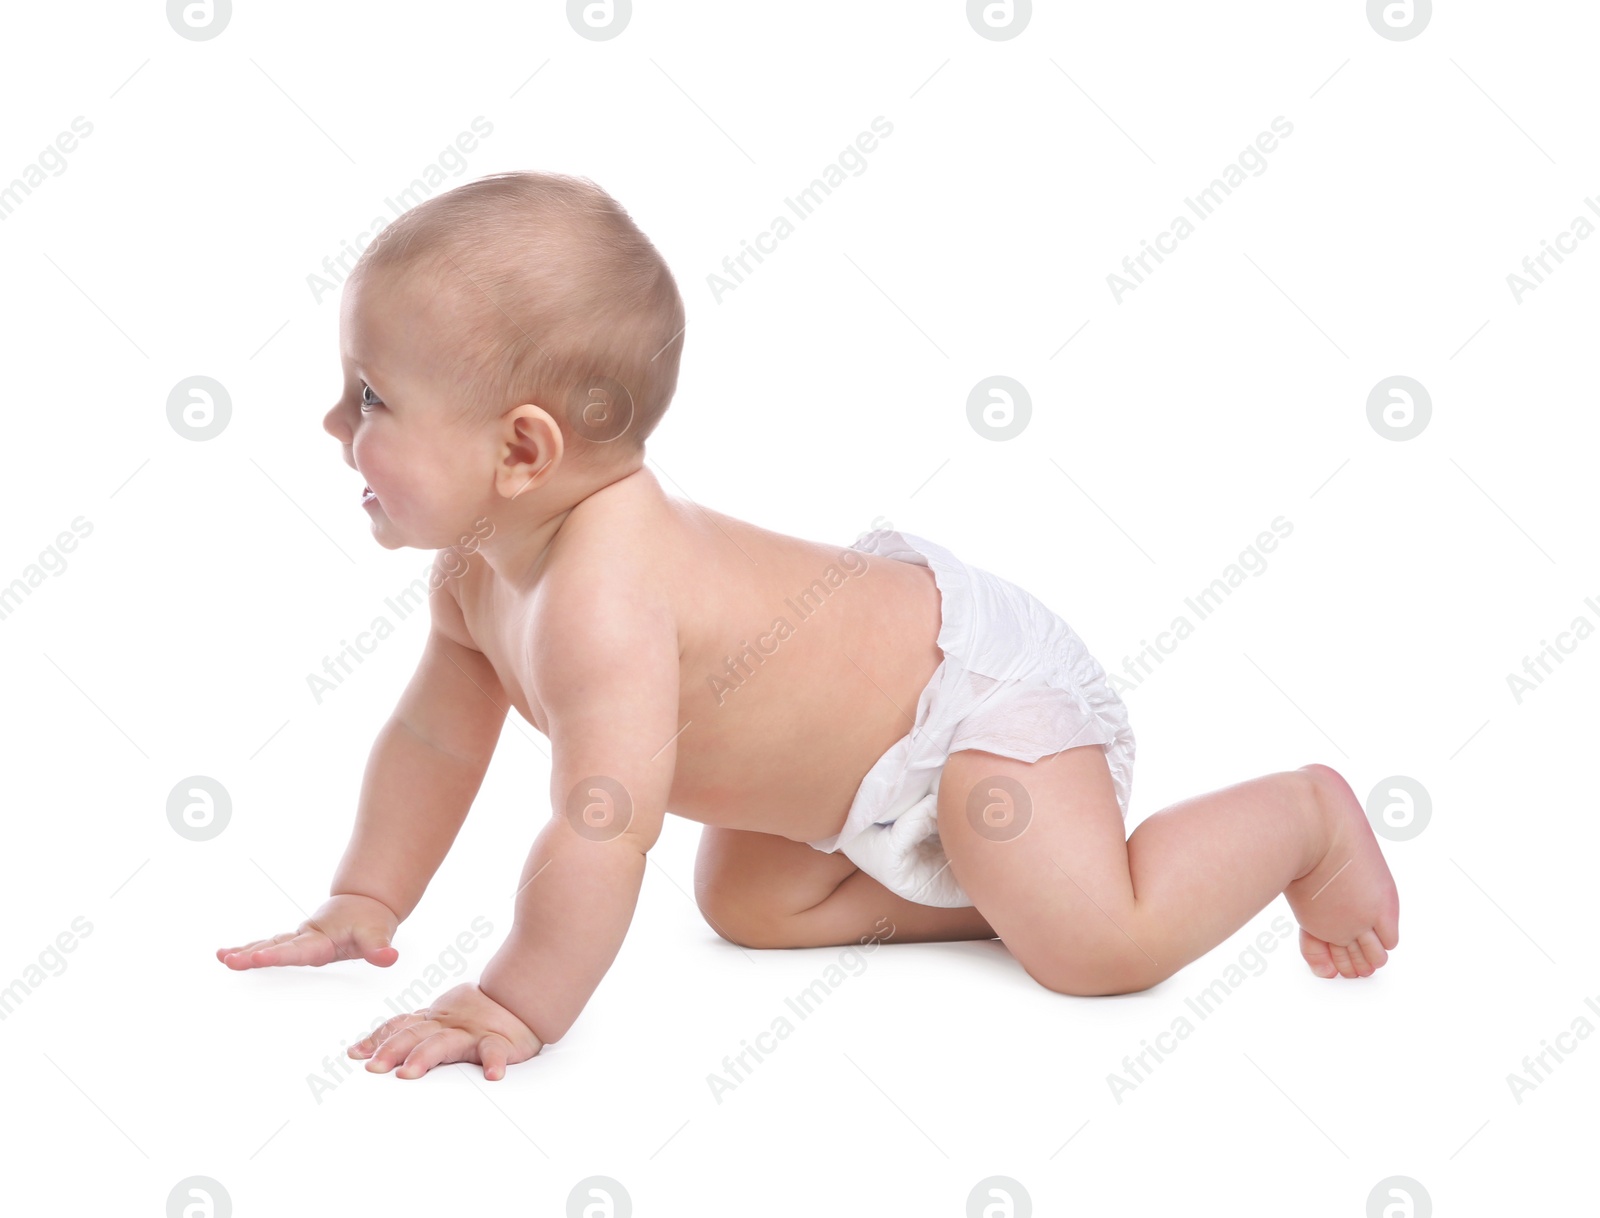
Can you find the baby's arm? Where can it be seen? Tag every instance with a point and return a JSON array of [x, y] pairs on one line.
[[422, 775], [607, 677], [613, 741], [612, 698]]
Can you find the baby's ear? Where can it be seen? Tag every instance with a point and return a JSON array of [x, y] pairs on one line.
[[530, 447]]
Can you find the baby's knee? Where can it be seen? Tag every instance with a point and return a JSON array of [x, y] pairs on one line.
[[1113, 970], [731, 914]]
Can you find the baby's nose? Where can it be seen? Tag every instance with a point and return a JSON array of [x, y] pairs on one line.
[[334, 426]]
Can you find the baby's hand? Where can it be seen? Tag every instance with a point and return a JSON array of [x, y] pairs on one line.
[[345, 927], [464, 1025]]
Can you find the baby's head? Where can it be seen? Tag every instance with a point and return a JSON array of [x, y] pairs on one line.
[[507, 348]]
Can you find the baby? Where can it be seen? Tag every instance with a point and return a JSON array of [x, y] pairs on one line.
[[874, 733]]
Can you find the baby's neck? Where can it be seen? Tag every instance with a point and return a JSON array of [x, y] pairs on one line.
[[517, 545]]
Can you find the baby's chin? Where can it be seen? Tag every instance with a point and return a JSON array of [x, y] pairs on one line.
[[390, 537], [387, 536], [384, 531]]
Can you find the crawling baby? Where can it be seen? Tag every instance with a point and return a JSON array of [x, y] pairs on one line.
[[873, 735]]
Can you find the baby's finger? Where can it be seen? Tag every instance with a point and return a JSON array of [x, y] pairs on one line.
[[239, 957], [368, 1044], [312, 947], [395, 1050], [493, 1051], [445, 1045]]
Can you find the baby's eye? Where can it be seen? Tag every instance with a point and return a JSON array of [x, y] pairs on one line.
[[368, 401]]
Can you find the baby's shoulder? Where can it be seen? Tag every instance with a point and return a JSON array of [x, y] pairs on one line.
[[615, 547], [599, 582], [600, 623]]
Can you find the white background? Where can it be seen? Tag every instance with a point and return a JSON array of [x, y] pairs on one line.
[[827, 391]]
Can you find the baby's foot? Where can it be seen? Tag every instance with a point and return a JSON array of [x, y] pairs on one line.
[[1347, 905]]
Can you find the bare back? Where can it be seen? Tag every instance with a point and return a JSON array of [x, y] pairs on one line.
[[800, 662]]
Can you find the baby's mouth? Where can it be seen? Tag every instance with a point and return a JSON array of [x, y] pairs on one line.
[[368, 495]]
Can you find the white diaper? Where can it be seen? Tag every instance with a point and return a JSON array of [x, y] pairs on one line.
[[1015, 680]]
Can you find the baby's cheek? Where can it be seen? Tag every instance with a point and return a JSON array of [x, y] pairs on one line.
[[378, 462], [368, 456]]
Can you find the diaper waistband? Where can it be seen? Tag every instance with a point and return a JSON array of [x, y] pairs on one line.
[[982, 614]]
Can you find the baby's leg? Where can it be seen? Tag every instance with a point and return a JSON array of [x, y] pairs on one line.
[[1087, 912], [761, 890]]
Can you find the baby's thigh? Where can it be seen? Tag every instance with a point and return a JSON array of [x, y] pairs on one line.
[[1040, 847], [745, 880]]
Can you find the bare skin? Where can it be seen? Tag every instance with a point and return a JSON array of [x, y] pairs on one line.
[[640, 633]]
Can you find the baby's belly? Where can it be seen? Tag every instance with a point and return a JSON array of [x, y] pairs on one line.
[[786, 718]]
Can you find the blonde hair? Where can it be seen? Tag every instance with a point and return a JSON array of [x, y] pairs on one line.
[[557, 299]]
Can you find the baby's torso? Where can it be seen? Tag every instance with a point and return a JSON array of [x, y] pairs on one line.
[[800, 662]]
